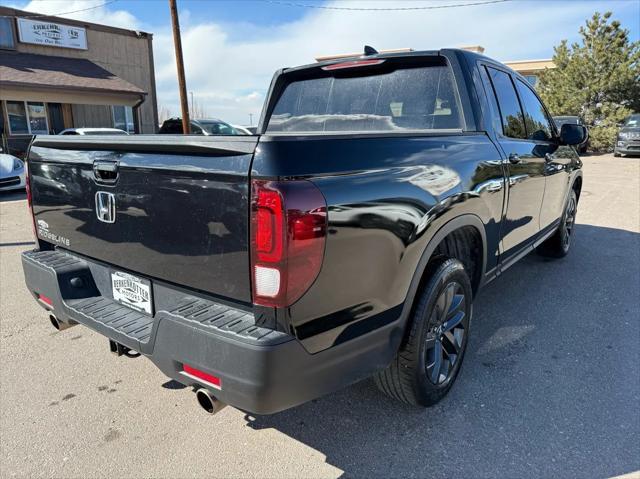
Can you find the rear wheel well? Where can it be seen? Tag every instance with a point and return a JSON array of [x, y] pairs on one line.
[[465, 245]]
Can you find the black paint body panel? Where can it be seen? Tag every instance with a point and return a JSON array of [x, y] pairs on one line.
[[385, 197], [181, 218]]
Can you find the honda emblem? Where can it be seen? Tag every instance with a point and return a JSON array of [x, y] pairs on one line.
[[106, 207]]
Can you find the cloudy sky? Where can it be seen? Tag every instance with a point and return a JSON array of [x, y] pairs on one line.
[[232, 47]]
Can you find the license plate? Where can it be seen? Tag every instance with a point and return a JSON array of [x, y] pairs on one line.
[[132, 291]]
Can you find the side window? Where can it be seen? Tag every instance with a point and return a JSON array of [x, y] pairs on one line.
[[535, 118], [6, 33], [510, 111], [226, 130], [17, 114], [123, 118]]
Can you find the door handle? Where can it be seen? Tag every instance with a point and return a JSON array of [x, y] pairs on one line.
[[514, 159], [105, 171]]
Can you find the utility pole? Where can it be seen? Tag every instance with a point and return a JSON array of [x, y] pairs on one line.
[[250, 119], [177, 42], [193, 110]]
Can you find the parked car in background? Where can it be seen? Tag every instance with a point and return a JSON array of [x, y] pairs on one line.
[[628, 140], [348, 238], [12, 172], [574, 120], [93, 131], [243, 130], [208, 127]]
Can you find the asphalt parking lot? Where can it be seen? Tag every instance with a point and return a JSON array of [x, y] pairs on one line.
[[550, 385]]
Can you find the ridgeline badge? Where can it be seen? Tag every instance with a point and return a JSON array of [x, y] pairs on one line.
[[45, 234]]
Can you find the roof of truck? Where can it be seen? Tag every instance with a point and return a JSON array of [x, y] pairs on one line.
[[333, 59]]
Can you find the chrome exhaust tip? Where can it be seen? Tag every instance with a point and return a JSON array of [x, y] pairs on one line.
[[209, 402], [60, 325]]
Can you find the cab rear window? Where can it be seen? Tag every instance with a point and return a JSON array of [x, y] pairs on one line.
[[387, 99]]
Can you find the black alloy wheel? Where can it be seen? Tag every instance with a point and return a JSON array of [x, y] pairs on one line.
[[559, 244], [446, 335], [569, 222]]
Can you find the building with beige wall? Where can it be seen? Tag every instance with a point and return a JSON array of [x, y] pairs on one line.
[[530, 69], [57, 73]]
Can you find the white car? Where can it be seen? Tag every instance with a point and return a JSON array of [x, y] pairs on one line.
[[93, 131], [243, 130], [12, 173]]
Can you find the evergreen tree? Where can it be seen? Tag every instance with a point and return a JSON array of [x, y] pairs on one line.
[[599, 79]]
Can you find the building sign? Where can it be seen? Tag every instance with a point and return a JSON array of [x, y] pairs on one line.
[[52, 34]]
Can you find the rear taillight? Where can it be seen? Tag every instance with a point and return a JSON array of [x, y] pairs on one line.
[[288, 230], [27, 186]]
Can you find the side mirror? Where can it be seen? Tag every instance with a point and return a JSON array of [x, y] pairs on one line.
[[572, 134]]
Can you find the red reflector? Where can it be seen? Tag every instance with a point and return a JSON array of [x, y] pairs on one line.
[[352, 64], [45, 299], [213, 380]]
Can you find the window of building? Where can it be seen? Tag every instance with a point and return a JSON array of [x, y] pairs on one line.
[[17, 118], [123, 118], [7, 40], [27, 118], [37, 115], [510, 111], [532, 79], [535, 117]]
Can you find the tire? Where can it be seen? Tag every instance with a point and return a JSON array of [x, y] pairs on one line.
[[438, 328], [617, 155], [558, 245]]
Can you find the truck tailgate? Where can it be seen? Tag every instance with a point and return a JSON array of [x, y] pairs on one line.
[[167, 207]]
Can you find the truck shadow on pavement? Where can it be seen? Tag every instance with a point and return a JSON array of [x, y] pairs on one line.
[[550, 385]]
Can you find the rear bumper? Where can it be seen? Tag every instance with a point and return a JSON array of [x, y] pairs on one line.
[[261, 371]]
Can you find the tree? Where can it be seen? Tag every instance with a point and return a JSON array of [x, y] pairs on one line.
[[200, 111], [163, 113], [599, 79]]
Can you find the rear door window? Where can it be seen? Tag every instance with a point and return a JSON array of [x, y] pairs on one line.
[[535, 117], [419, 98], [509, 106]]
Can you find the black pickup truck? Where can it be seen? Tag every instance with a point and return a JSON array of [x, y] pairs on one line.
[[346, 239]]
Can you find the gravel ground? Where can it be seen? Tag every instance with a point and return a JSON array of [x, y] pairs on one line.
[[550, 385]]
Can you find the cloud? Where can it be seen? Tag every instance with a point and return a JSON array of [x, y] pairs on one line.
[[101, 14], [229, 65], [230, 73]]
